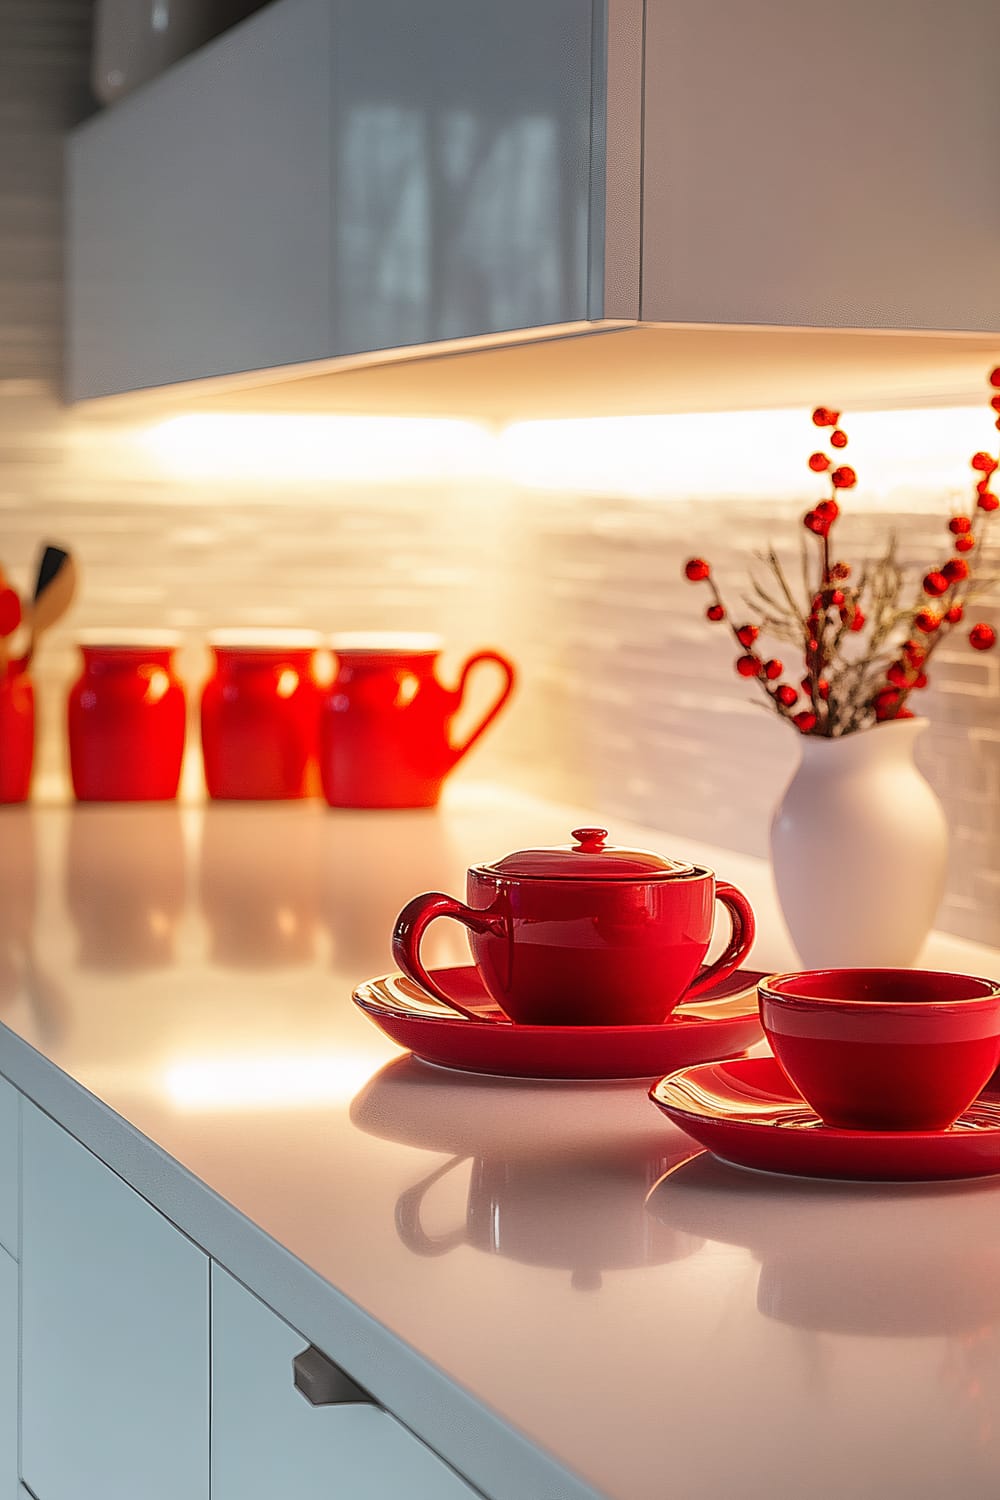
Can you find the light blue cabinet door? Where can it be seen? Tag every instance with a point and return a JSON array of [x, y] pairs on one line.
[[8, 1378], [198, 213], [114, 1334], [461, 168], [10, 1166], [268, 1443]]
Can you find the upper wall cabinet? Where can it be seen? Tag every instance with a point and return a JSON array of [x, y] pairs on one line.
[[335, 179]]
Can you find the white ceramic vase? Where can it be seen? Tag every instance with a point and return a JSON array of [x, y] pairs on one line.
[[859, 845]]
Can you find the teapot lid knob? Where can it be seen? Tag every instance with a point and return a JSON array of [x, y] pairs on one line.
[[589, 840]]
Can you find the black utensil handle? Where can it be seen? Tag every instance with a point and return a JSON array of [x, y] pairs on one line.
[[323, 1383], [51, 563]]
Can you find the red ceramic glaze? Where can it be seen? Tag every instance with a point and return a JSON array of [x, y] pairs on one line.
[[618, 944], [747, 1112], [126, 716], [17, 735], [884, 1049], [723, 1022], [385, 725], [260, 718]]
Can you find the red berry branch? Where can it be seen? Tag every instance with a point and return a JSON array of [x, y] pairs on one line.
[[864, 653]]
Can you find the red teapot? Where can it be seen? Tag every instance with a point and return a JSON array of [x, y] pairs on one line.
[[585, 934], [385, 724]]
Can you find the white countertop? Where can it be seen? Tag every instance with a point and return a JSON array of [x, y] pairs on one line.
[[191, 969]]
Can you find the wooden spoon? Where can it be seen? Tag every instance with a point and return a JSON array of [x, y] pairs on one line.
[[55, 588]]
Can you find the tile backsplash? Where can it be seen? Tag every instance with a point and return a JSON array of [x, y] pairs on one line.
[[627, 702]]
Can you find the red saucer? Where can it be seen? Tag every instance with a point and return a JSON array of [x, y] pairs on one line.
[[747, 1113], [721, 1023]]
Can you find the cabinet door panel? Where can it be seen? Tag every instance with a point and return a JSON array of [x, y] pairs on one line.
[[267, 1441], [114, 1364], [10, 1165], [199, 213], [821, 167], [461, 170], [9, 1486]]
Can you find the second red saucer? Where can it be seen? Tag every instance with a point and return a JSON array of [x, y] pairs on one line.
[[748, 1114], [721, 1023]]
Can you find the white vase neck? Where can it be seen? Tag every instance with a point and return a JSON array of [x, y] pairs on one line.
[[882, 743]]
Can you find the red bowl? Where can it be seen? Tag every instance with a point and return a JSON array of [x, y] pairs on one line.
[[883, 1049]]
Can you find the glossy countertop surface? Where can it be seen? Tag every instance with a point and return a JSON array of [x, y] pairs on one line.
[[658, 1322]]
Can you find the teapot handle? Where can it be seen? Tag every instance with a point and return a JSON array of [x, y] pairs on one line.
[[507, 667], [410, 926], [740, 941], [408, 1226]]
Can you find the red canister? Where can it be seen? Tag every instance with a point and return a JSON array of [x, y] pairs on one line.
[[17, 735], [386, 725], [126, 718], [260, 714]]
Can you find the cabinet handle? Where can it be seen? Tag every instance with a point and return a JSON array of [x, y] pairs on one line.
[[323, 1383]]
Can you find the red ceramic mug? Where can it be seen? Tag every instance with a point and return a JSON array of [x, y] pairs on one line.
[[884, 1049], [585, 934], [17, 734], [260, 715], [385, 726], [126, 718]]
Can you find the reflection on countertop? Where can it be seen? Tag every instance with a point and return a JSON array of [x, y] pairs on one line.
[[893, 1260], [557, 1172]]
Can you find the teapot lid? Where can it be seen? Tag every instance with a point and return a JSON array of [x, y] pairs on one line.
[[590, 858]]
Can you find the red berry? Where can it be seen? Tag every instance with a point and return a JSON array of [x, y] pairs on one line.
[[898, 674], [913, 653], [926, 621], [995, 376], [807, 686], [837, 598], [838, 439], [935, 583], [964, 543], [746, 635], [984, 463], [954, 614], [773, 668], [819, 463], [715, 612], [995, 402], [812, 647], [805, 721], [823, 417], [922, 680], [749, 666], [829, 509], [844, 478], [858, 623], [817, 524], [823, 689], [696, 569], [982, 637], [840, 570], [959, 525], [786, 695], [885, 703], [955, 570], [987, 500]]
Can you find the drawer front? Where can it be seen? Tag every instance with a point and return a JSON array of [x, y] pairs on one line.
[[9, 1486], [114, 1334], [10, 1165], [267, 1440]]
